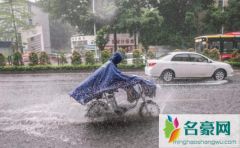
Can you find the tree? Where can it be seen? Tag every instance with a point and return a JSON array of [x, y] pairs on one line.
[[62, 58], [102, 37], [233, 9], [33, 58], [17, 58], [150, 28], [76, 58], [44, 58], [2, 60], [89, 57], [137, 57], [214, 20], [181, 20], [105, 56], [60, 33], [123, 52], [14, 14], [150, 55]]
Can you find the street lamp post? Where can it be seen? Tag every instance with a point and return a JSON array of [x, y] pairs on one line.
[[222, 11], [94, 27]]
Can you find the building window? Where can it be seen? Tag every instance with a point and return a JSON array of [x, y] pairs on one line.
[[220, 4], [32, 39], [29, 8], [30, 22]]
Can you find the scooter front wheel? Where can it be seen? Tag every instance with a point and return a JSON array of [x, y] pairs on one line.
[[97, 109], [149, 109]]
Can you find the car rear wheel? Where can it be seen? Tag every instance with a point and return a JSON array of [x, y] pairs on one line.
[[167, 76], [219, 75]]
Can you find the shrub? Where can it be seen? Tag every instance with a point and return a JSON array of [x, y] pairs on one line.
[[105, 55], [177, 50], [237, 59], [214, 54], [2, 60], [62, 59], [234, 52], [76, 58], [206, 52], [33, 58], [191, 50], [89, 57], [137, 57], [17, 58], [65, 67], [123, 52], [44, 58], [150, 54]]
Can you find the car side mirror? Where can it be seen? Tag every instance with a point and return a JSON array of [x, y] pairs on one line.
[[209, 61]]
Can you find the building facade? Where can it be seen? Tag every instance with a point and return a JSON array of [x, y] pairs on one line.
[[82, 43], [37, 39]]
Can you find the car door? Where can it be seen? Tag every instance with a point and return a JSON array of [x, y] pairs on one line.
[[181, 65], [200, 66]]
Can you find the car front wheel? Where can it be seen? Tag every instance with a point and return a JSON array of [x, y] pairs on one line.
[[167, 76], [219, 75]]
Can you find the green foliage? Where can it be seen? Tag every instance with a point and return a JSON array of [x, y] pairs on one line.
[[232, 10], [33, 58], [2, 60], [76, 58], [105, 55], [16, 16], [89, 57], [150, 28], [191, 50], [236, 59], [234, 53], [150, 55], [214, 54], [137, 57], [17, 58], [62, 58], [234, 64], [123, 52], [53, 68], [44, 58], [177, 50], [206, 52], [102, 37]]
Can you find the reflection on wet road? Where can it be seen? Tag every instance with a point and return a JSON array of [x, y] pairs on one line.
[[36, 111]]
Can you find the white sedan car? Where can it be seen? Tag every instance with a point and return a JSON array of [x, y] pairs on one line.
[[187, 65]]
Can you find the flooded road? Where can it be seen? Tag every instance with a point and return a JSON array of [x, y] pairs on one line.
[[36, 111]]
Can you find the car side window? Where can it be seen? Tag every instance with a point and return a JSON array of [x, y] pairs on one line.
[[181, 58], [198, 58]]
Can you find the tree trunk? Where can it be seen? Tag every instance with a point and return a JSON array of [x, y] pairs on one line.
[[135, 40], [115, 40], [14, 25]]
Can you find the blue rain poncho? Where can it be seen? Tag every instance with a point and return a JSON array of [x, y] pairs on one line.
[[108, 78]]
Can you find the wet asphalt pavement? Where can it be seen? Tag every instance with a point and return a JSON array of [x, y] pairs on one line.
[[36, 111]]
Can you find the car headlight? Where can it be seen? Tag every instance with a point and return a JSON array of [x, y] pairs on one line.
[[230, 66]]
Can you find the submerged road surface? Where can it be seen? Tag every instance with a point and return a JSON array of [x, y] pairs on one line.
[[36, 111]]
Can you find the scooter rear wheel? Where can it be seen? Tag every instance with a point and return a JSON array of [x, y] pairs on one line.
[[149, 109]]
